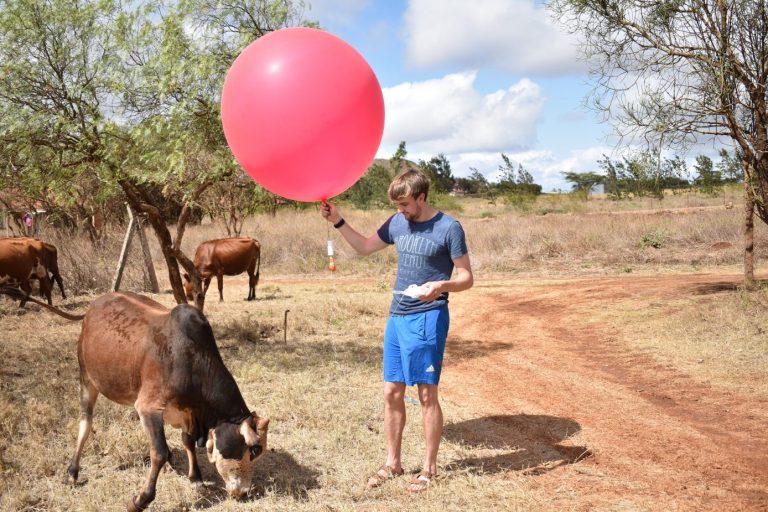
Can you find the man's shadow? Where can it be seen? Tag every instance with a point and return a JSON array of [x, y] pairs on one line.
[[277, 471], [532, 443]]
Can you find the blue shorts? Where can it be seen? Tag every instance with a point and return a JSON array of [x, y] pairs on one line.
[[414, 346]]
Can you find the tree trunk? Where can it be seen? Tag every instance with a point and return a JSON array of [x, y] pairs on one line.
[[136, 201], [749, 229]]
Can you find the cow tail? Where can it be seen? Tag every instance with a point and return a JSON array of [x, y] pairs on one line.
[[17, 294], [258, 266]]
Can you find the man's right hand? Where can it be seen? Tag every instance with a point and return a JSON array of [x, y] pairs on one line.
[[329, 212]]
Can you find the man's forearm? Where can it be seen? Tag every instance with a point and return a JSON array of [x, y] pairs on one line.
[[462, 281], [362, 245]]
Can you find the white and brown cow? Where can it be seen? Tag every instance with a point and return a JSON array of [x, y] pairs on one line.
[[23, 259], [165, 363], [226, 257]]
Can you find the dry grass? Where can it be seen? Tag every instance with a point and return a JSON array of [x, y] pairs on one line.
[[584, 239], [322, 388], [718, 339]]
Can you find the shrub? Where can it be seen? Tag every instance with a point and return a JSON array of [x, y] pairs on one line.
[[655, 238]]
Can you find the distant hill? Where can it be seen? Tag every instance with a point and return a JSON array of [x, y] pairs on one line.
[[404, 164]]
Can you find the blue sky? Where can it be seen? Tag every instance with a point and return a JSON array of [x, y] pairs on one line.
[[473, 80]]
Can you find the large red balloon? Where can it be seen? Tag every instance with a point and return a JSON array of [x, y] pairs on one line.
[[303, 113]]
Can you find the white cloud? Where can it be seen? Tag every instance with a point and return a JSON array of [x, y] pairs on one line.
[[514, 35], [448, 115]]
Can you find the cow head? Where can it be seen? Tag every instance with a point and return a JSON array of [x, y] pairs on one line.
[[234, 449], [188, 290]]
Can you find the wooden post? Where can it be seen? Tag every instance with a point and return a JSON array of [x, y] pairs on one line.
[[285, 327], [149, 267], [124, 251]]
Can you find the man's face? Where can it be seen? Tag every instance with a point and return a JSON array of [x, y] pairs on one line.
[[410, 207]]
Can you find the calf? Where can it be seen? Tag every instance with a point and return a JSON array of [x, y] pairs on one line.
[[22, 259], [226, 257], [165, 363]]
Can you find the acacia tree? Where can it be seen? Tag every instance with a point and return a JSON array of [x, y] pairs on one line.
[[126, 96], [676, 71], [583, 183]]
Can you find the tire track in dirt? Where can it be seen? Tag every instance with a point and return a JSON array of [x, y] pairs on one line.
[[654, 437]]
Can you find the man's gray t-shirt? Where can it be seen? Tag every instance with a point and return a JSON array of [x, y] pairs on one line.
[[425, 252]]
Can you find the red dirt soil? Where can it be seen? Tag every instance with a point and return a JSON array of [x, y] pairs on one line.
[[597, 424]]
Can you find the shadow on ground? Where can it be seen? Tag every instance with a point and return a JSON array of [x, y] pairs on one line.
[[722, 286], [471, 349], [532, 443], [277, 471]]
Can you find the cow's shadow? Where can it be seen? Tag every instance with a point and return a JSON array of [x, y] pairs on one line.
[[277, 471], [531, 443]]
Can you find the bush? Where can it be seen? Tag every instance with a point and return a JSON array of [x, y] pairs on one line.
[[520, 201], [445, 202], [655, 239]]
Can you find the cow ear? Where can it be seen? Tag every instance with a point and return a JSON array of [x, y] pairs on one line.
[[262, 424], [259, 424], [247, 431]]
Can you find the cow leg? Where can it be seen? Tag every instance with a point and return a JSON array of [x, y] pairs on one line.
[[189, 447], [57, 277], [88, 396], [220, 282], [253, 280], [46, 288], [251, 287], [152, 421], [27, 289], [206, 284]]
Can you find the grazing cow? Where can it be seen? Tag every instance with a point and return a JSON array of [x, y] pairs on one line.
[[165, 363], [226, 257], [51, 263], [22, 259]]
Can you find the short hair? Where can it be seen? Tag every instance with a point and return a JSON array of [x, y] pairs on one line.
[[409, 183]]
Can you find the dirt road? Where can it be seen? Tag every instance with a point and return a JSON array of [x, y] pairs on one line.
[[597, 424]]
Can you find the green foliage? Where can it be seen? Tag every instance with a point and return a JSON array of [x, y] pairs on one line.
[[445, 202], [708, 180], [118, 100], [655, 238], [729, 167], [370, 191], [642, 175], [396, 162], [520, 200], [438, 170], [583, 182]]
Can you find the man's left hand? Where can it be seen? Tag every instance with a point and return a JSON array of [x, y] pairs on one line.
[[434, 292]]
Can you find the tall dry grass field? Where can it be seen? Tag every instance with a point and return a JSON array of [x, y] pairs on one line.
[[319, 381]]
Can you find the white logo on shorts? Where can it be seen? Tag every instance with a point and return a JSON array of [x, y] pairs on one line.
[[431, 369]]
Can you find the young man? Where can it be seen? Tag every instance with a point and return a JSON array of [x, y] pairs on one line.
[[430, 246]]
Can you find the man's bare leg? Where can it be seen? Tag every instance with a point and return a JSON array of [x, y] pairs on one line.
[[394, 422], [432, 417]]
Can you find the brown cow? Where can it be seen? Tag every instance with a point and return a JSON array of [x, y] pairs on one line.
[[22, 259], [165, 363], [226, 257], [51, 263]]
